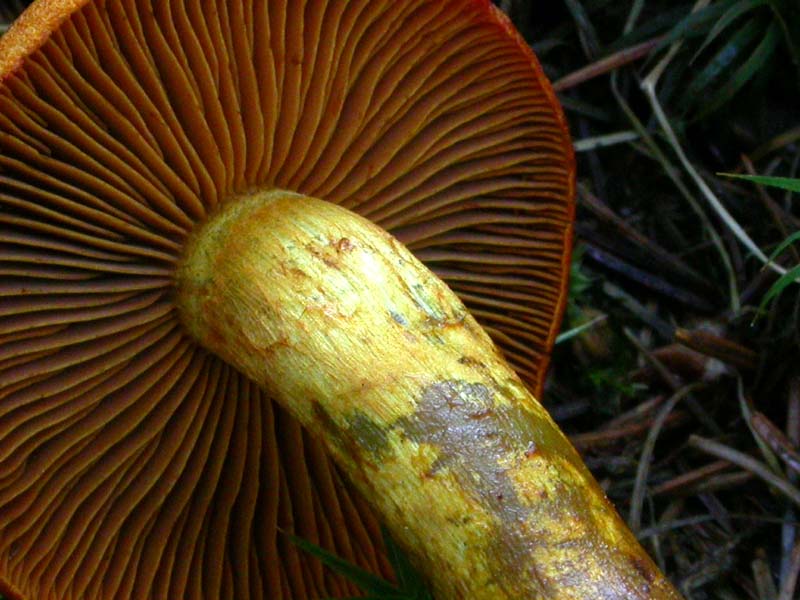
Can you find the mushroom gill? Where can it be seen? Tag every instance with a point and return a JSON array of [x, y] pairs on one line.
[[133, 463]]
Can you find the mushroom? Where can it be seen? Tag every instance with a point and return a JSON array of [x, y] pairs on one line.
[[173, 260]]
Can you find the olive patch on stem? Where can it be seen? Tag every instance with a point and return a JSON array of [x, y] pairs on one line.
[[361, 438]]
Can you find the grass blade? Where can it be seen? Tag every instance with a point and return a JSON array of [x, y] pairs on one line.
[[664, 21], [722, 60], [777, 288], [695, 21], [747, 71], [579, 329], [586, 31], [411, 583], [788, 12], [785, 183], [795, 237], [372, 584], [730, 16]]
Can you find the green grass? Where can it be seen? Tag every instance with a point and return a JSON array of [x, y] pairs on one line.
[[410, 585], [789, 184], [792, 274]]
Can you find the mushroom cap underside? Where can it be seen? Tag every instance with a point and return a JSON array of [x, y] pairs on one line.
[[135, 464]]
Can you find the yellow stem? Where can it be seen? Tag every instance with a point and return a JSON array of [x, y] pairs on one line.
[[375, 354]]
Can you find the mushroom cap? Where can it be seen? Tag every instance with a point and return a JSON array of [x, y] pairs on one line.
[[133, 463]]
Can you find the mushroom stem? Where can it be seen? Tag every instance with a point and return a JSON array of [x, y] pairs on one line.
[[373, 353]]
